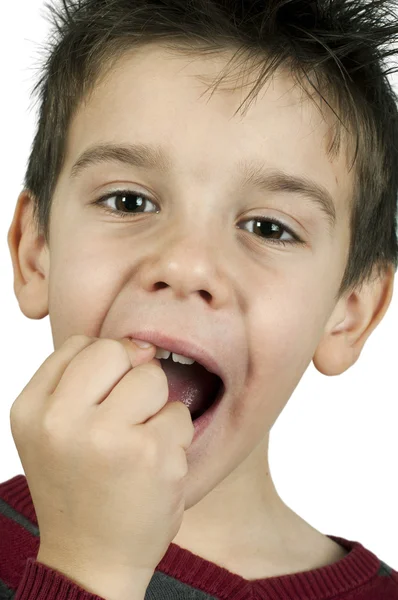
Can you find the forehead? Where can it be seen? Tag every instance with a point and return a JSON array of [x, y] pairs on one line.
[[154, 96]]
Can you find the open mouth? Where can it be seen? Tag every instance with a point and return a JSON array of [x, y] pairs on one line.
[[193, 385], [211, 399]]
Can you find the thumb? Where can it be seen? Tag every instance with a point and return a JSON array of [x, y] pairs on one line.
[[139, 355]]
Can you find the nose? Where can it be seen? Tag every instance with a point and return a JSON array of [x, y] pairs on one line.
[[187, 265]]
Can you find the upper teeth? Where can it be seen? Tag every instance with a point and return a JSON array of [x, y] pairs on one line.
[[184, 360]]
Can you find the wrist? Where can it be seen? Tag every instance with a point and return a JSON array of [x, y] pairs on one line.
[[110, 583]]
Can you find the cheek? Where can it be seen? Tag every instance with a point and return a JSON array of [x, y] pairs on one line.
[[284, 337], [83, 283]]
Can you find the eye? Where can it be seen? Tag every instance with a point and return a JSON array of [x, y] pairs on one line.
[[266, 226], [133, 202], [125, 199]]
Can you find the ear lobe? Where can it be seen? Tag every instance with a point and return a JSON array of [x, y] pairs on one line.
[[351, 323], [335, 354], [30, 260]]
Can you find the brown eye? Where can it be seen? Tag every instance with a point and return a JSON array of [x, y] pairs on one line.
[[272, 229], [126, 202]]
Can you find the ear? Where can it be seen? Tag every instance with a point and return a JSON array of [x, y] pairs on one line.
[[354, 318], [30, 260]]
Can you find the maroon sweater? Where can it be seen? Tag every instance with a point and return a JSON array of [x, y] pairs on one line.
[[180, 575]]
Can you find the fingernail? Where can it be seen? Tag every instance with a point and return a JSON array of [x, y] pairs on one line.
[[141, 343]]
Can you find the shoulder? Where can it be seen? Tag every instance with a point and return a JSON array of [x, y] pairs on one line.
[[19, 533]]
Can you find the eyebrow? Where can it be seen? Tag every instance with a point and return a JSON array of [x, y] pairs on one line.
[[147, 156]]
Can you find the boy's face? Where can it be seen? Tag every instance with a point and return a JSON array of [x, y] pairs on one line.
[[191, 262]]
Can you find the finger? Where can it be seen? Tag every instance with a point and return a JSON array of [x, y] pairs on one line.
[[47, 377], [93, 373], [137, 355], [139, 395], [174, 424]]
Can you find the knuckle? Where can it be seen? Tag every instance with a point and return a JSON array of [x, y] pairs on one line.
[[15, 410], [148, 447], [154, 371], [181, 465], [102, 440], [52, 422], [16, 417]]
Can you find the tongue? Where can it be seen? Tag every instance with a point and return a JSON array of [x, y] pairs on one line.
[[191, 384]]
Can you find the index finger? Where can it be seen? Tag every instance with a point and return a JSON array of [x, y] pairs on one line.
[[47, 377], [45, 380]]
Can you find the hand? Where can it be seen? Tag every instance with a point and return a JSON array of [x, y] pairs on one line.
[[104, 457]]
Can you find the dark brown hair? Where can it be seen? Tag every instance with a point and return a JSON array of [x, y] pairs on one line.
[[340, 44]]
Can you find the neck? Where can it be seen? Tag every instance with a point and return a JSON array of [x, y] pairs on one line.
[[243, 511], [244, 526]]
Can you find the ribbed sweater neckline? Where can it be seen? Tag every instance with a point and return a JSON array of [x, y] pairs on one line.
[[353, 570]]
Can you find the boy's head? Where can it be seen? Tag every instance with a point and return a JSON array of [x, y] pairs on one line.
[[199, 253]]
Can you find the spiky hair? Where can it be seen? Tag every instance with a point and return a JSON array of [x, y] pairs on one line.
[[335, 50]]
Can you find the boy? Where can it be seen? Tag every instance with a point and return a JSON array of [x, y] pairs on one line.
[[267, 240]]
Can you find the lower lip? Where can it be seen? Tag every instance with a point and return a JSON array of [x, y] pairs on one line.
[[202, 422]]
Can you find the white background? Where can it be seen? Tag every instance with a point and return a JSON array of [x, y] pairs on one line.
[[334, 448]]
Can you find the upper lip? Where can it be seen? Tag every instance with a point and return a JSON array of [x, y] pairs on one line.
[[184, 347]]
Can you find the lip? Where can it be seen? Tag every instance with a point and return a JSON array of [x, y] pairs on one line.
[[185, 347]]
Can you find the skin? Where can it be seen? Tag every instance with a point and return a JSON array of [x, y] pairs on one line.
[[266, 310]]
